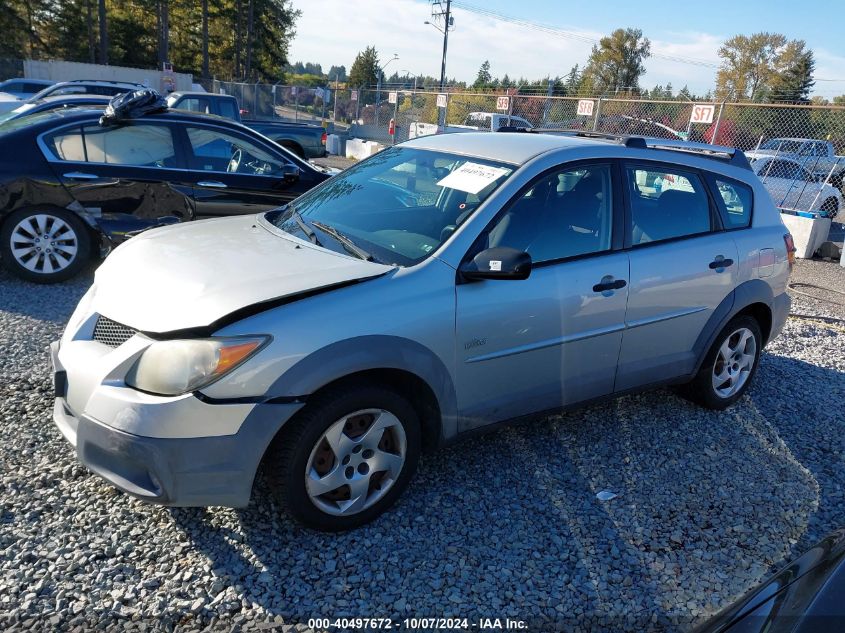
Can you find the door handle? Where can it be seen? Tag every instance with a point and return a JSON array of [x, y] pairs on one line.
[[720, 263], [608, 283], [215, 184], [79, 175]]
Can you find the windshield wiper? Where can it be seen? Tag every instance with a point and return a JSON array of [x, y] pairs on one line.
[[347, 243], [309, 232]]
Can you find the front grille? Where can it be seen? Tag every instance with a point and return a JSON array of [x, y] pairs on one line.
[[111, 333]]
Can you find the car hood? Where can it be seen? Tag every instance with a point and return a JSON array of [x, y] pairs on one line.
[[192, 275]]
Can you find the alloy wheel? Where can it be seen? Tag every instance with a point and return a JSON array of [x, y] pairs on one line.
[[44, 243], [734, 362], [356, 461]]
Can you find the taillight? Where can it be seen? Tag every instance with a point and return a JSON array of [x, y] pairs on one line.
[[323, 138], [790, 249]]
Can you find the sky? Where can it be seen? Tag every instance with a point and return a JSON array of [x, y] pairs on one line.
[[331, 32]]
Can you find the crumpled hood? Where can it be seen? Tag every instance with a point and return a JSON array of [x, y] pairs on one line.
[[190, 275]]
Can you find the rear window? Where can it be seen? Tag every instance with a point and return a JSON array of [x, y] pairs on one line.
[[736, 200], [227, 109]]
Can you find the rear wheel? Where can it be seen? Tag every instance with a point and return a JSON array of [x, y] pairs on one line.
[[346, 457], [44, 246], [293, 147], [729, 366]]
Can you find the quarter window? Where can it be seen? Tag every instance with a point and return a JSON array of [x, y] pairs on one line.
[[564, 214], [737, 200], [666, 204]]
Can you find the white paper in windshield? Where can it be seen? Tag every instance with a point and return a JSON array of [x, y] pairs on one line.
[[472, 177]]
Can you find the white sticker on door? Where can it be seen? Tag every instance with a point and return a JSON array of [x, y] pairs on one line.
[[472, 177]]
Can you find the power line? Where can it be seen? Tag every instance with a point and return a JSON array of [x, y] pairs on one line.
[[569, 34]]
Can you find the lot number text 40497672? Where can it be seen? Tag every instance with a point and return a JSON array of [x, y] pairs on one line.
[[419, 624]]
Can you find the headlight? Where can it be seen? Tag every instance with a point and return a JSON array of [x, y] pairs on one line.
[[170, 368]]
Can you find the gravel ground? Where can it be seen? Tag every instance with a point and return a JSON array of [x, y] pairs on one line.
[[503, 525]]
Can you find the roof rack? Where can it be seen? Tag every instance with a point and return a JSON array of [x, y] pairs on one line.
[[730, 154]]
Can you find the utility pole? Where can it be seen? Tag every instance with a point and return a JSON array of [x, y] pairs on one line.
[[447, 23]]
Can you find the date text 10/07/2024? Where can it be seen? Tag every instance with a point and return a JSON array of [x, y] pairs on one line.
[[418, 624]]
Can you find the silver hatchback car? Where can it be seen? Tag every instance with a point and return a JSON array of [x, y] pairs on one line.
[[441, 286]]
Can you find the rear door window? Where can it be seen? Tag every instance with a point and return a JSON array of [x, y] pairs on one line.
[[666, 203], [137, 145]]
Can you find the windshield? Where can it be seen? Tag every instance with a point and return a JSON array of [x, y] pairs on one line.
[[16, 112], [400, 205], [791, 147]]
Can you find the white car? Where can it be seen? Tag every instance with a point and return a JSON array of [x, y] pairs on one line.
[[794, 187], [12, 91]]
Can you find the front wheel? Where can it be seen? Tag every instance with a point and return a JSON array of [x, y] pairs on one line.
[[729, 366], [44, 246], [346, 457]]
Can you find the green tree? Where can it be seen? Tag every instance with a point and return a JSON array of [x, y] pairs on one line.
[[794, 78], [616, 63], [365, 69], [337, 73], [748, 66], [483, 78]]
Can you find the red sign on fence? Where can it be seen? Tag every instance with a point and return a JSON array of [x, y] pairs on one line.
[[503, 103]]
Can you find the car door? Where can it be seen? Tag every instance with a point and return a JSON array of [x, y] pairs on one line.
[[128, 176], [552, 339], [233, 173], [682, 267]]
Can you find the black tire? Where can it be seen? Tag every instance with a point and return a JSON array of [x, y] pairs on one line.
[[294, 148], [701, 390], [287, 461], [78, 234]]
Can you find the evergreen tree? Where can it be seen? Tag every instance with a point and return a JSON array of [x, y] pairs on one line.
[[365, 69], [482, 80]]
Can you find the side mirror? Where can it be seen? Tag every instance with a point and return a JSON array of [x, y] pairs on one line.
[[497, 263], [290, 173]]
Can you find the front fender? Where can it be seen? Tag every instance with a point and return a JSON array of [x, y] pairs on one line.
[[372, 352]]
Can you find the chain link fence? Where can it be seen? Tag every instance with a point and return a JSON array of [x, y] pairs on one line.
[[811, 136], [741, 125]]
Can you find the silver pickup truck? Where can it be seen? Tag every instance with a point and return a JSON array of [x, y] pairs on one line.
[[819, 157], [303, 139]]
